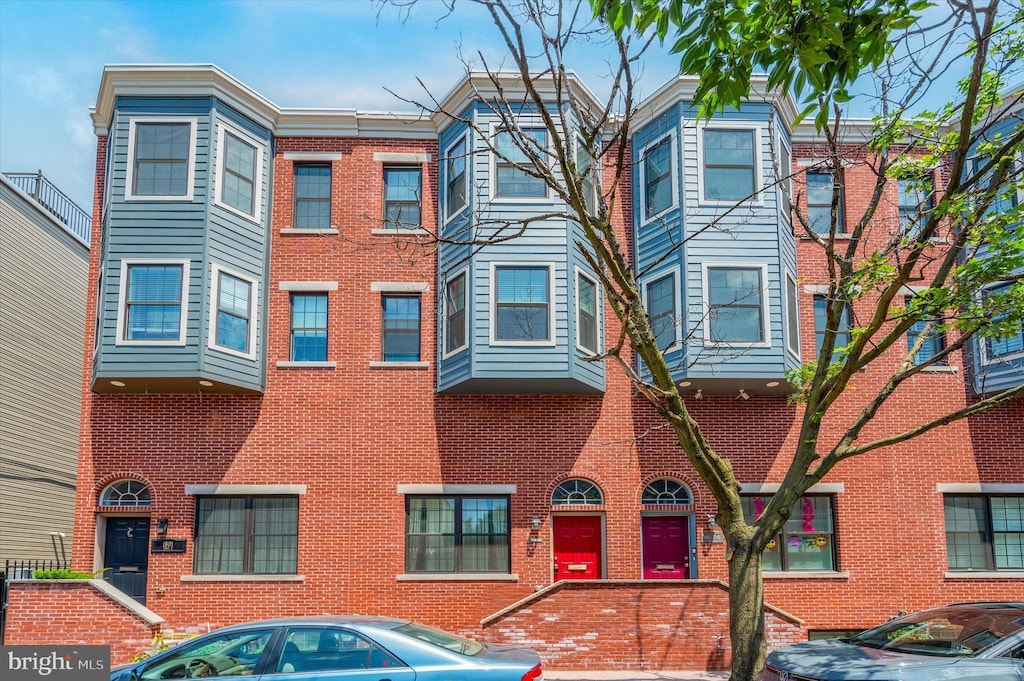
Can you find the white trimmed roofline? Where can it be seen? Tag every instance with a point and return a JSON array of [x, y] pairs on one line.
[[477, 86], [205, 80]]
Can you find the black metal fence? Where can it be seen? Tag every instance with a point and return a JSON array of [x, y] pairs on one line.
[[20, 569], [55, 201]]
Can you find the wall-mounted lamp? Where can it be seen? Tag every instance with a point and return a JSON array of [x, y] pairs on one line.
[[535, 524], [712, 522], [743, 394], [699, 394], [161, 525]]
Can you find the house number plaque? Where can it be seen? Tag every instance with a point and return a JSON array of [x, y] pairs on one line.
[[168, 546]]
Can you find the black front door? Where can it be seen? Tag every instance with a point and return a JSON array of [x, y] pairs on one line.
[[127, 555]]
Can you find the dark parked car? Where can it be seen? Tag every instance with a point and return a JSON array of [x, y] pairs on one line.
[[965, 641], [328, 648]]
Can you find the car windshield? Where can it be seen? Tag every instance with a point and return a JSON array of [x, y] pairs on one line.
[[442, 639], [956, 631]]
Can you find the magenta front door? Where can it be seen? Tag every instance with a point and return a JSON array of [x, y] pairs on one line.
[[577, 546], [666, 547]]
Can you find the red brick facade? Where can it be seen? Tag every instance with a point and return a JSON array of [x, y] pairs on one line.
[[353, 433]]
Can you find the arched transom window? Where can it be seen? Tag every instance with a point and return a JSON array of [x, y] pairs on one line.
[[667, 491], [576, 492], [125, 493]]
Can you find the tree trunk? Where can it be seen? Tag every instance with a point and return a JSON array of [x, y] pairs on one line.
[[746, 611]]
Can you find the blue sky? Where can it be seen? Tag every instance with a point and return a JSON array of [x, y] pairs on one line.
[[339, 53]]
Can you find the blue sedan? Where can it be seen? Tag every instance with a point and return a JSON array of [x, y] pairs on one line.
[[337, 648], [965, 641]]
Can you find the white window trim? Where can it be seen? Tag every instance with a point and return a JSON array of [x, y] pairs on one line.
[[523, 125], [784, 189], [983, 345], [98, 314], [598, 308], [450, 213], [673, 159], [493, 307], [122, 302], [308, 286], [398, 287], [257, 180], [244, 490], [215, 272], [792, 344], [129, 182], [445, 354], [758, 130], [765, 310], [677, 314]]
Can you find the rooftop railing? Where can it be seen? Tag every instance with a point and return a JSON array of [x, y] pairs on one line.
[[55, 201]]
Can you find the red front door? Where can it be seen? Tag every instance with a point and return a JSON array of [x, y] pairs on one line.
[[577, 546], [666, 547]]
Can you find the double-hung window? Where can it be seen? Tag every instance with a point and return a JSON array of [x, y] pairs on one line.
[[735, 304], [511, 164], [521, 303], [729, 164], [916, 200], [153, 302], [820, 189], [309, 327], [252, 535], [984, 532], [657, 174], [403, 190], [238, 176], [1009, 343], [451, 534], [807, 540], [843, 335], [456, 180], [232, 316], [312, 196], [161, 161], [586, 313], [455, 332], [933, 343], [400, 335], [661, 310]]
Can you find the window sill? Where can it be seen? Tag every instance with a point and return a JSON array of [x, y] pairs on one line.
[[806, 574], [311, 232], [306, 365], [400, 232], [981, 574], [243, 578], [940, 369], [456, 577], [399, 365]]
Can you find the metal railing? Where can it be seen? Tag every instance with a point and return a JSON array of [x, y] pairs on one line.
[[22, 569], [54, 201]]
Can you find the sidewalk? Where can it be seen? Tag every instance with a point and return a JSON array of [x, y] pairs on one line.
[[633, 676]]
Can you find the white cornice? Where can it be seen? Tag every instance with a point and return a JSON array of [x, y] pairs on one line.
[[682, 89], [478, 86], [177, 80], [208, 80]]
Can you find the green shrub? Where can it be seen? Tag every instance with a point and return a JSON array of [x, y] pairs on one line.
[[65, 573]]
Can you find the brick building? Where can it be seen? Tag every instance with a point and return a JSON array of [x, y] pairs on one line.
[[295, 401]]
